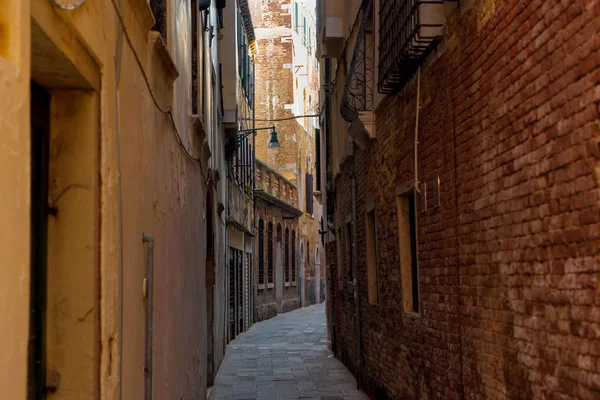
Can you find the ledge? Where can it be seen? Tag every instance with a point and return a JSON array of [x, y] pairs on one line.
[[142, 11], [319, 196], [270, 285], [363, 129], [269, 198], [159, 46], [200, 141], [261, 286]]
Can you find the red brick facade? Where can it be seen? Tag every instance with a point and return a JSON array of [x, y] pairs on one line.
[[508, 264]]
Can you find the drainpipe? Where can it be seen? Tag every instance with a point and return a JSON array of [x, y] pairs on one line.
[[255, 244], [355, 274], [417, 129], [149, 294]]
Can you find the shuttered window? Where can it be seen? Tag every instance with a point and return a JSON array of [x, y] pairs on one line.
[[261, 252], [318, 161], [287, 255], [309, 193], [270, 254], [293, 256]]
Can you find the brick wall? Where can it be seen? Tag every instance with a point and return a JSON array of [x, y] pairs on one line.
[[508, 265]]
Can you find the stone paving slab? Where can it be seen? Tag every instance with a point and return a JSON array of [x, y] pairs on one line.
[[285, 357]]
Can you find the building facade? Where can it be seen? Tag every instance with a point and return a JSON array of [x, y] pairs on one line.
[[462, 196], [277, 267], [287, 66], [238, 88], [112, 140]]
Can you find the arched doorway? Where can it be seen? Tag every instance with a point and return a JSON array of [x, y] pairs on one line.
[[279, 270]]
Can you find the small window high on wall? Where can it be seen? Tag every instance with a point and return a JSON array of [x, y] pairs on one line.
[[407, 246]]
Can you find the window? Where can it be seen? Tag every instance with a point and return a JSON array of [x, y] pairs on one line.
[[407, 31], [296, 19], [287, 255], [293, 256], [407, 237], [270, 254], [372, 273], [318, 157], [309, 193], [349, 255], [261, 252], [159, 9], [307, 257]]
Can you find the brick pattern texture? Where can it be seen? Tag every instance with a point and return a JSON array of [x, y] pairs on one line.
[[509, 263]]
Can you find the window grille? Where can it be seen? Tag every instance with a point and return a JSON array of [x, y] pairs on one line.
[[408, 29], [261, 252], [270, 254]]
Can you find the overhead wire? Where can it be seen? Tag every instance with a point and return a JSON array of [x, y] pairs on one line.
[[167, 111]]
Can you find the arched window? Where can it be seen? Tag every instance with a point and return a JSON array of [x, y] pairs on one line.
[[270, 253], [287, 255], [307, 257], [293, 256], [261, 252]]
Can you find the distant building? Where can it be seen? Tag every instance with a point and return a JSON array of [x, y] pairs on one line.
[[277, 267], [287, 87]]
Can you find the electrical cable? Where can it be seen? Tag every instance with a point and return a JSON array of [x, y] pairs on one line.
[[168, 110]]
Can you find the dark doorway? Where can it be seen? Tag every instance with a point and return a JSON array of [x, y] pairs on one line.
[[40, 143]]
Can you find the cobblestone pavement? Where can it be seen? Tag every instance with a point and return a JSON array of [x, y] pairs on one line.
[[285, 357]]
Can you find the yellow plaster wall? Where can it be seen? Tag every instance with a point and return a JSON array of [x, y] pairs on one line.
[[14, 206], [163, 195]]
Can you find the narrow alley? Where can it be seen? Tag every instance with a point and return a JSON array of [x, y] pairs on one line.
[[285, 357]]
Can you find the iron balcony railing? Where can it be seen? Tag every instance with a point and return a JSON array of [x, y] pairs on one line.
[[359, 87], [407, 31]]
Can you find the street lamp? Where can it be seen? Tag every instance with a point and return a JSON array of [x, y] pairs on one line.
[[273, 143]]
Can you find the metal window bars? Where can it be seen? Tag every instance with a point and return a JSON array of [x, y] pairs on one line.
[[408, 30], [359, 87]]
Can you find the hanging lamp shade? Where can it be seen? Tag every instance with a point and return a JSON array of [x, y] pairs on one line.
[[274, 143]]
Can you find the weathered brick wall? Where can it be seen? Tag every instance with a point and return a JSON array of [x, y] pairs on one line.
[[508, 265]]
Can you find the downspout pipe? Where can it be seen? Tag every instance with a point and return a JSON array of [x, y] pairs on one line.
[[254, 294], [417, 129], [355, 274], [149, 294]]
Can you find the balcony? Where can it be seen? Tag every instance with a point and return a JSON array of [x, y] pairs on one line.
[[408, 31], [359, 90]]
